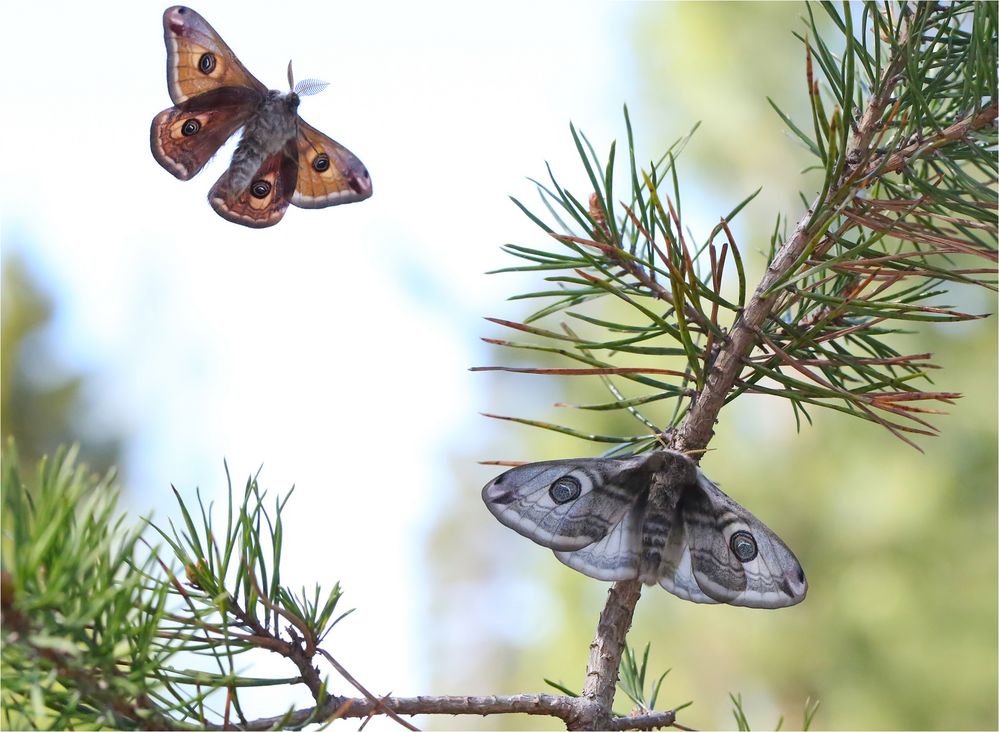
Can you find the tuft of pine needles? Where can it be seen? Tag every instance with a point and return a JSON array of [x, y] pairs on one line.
[[231, 601], [99, 630], [742, 721], [903, 132], [79, 625]]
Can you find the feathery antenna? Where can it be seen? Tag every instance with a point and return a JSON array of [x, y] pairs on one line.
[[306, 87]]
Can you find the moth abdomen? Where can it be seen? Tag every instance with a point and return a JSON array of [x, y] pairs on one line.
[[655, 530]]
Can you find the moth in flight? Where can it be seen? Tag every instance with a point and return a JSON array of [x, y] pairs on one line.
[[280, 159]]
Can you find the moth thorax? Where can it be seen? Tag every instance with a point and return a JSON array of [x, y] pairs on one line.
[[673, 468], [276, 121]]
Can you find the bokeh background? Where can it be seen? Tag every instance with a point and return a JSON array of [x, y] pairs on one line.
[[333, 349]]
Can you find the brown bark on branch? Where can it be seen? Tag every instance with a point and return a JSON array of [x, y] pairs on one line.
[[565, 708]]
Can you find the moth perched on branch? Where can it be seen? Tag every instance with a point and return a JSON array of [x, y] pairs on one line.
[[654, 517]]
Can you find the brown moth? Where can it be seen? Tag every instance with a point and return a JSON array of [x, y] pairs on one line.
[[280, 158]]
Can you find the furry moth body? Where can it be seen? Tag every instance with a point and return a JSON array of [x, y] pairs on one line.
[[280, 159], [274, 125], [654, 517]]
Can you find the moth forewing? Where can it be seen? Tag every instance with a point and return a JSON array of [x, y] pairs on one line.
[[565, 504]]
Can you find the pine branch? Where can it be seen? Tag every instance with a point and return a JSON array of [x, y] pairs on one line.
[[897, 160], [566, 708], [696, 430], [605, 654], [908, 194]]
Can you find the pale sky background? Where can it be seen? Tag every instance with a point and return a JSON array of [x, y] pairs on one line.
[[332, 348]]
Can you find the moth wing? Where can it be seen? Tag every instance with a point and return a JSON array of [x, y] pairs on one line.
[[198, 60], [328, 173], [520, 498], [259, 208], [185, 137], [771, 578], [615, 557]]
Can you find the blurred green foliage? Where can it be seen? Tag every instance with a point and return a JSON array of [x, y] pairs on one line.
[[899, 630], [41, 402], [742, 53]]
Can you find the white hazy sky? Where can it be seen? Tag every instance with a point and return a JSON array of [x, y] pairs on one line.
[[333, 347]]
